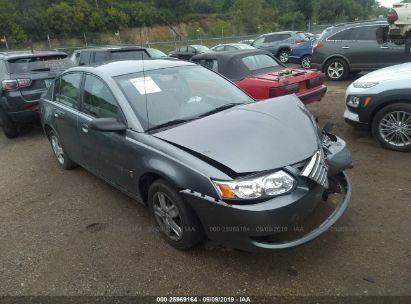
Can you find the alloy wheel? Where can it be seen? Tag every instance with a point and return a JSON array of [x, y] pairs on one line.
[[58, 149], [335, 70], [306, 62], [167, 216], [284, 57], [395, 128]]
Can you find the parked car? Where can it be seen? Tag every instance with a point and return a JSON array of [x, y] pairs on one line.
[[187, 51], [198, 151], [24, 76], [399, 19], [104, 54], [280, 43], [262, 76], [352, 48], [381, 102], [301, 54], [232, 47]]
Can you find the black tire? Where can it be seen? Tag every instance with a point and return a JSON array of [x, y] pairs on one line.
[[186, 220], [306, 62], [8, 126], [381, 127], [336, 69], [64, 161], [283, 55]]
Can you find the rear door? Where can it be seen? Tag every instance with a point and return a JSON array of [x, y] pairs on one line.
[[105, 153], [66, 102]]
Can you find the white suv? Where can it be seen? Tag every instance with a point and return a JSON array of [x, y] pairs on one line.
[[381, 102], [399, 18]]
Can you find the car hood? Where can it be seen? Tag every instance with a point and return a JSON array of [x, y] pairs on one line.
[[250, 138], [396, 72]]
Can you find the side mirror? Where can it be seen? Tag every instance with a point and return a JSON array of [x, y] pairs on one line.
[[107, 125]]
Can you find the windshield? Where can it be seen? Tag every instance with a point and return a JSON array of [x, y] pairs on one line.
[[129, 55], [201, 48], [154, 53], [245, 47], [39, 64], [179, 93]]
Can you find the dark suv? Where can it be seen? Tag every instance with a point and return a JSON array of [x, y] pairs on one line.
[[102, 54], [280, 44], [24, 77], [355, 47]]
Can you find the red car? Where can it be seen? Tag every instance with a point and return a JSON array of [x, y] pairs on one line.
[[262, 76]]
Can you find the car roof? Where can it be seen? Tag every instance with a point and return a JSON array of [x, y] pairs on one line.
[[341, 26], [25, 54], [112, 48], [117, 68], [283, 32], [228, 62]]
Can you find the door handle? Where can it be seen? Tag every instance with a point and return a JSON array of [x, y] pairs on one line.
[[345, 47], [58, 114], [84, 128]]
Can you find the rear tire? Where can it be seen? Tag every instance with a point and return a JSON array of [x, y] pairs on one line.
[[8, 126], [336, 69], [62, 158], [391, 127], [176, 221]]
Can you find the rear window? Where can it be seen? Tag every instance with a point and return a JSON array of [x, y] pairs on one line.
[[129, 55], [259, 62], [39, 64]]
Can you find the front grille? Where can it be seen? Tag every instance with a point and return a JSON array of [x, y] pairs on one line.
[[316, 169]]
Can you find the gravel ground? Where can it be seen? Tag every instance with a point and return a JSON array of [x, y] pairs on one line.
[[69, 233]]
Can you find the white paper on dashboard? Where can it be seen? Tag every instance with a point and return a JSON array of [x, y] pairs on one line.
[[145, 85]]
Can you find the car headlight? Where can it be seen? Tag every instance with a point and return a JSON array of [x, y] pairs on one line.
[[273, 184], [354, 101], [365, 85]]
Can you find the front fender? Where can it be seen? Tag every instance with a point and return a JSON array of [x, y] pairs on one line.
[[338, 157]]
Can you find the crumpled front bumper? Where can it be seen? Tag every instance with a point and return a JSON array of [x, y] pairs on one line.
[[244, 226]]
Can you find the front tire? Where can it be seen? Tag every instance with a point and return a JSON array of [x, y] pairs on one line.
[[336, 69], [8, 126], [175, 220], [391, 127], [62, 158], [283, 55]]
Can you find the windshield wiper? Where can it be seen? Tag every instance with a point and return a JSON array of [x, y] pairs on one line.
[[221, 108], [169, 124], [41, 70]]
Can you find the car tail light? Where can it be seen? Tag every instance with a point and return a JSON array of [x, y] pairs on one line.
[[284, 90], [11, 85], [300, 41], [392, 16], [318, 45]]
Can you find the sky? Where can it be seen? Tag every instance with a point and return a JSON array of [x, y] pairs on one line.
[[388, 3]]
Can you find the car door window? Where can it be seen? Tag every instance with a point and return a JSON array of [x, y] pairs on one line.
[[365, 33], [98, 101], [229, 48], [219, 48], [272, 38], [84, 58], [191, 50], [342, 36], [284, 37], [258, 41], [100, 56], [2, 68], [183, 49], [67, 90]]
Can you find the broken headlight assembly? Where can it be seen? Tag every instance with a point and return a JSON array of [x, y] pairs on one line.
[[270, 185]]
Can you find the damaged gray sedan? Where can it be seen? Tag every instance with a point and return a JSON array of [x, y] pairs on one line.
[[207, 160]]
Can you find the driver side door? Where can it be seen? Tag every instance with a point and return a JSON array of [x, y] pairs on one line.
[[106, 154]]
